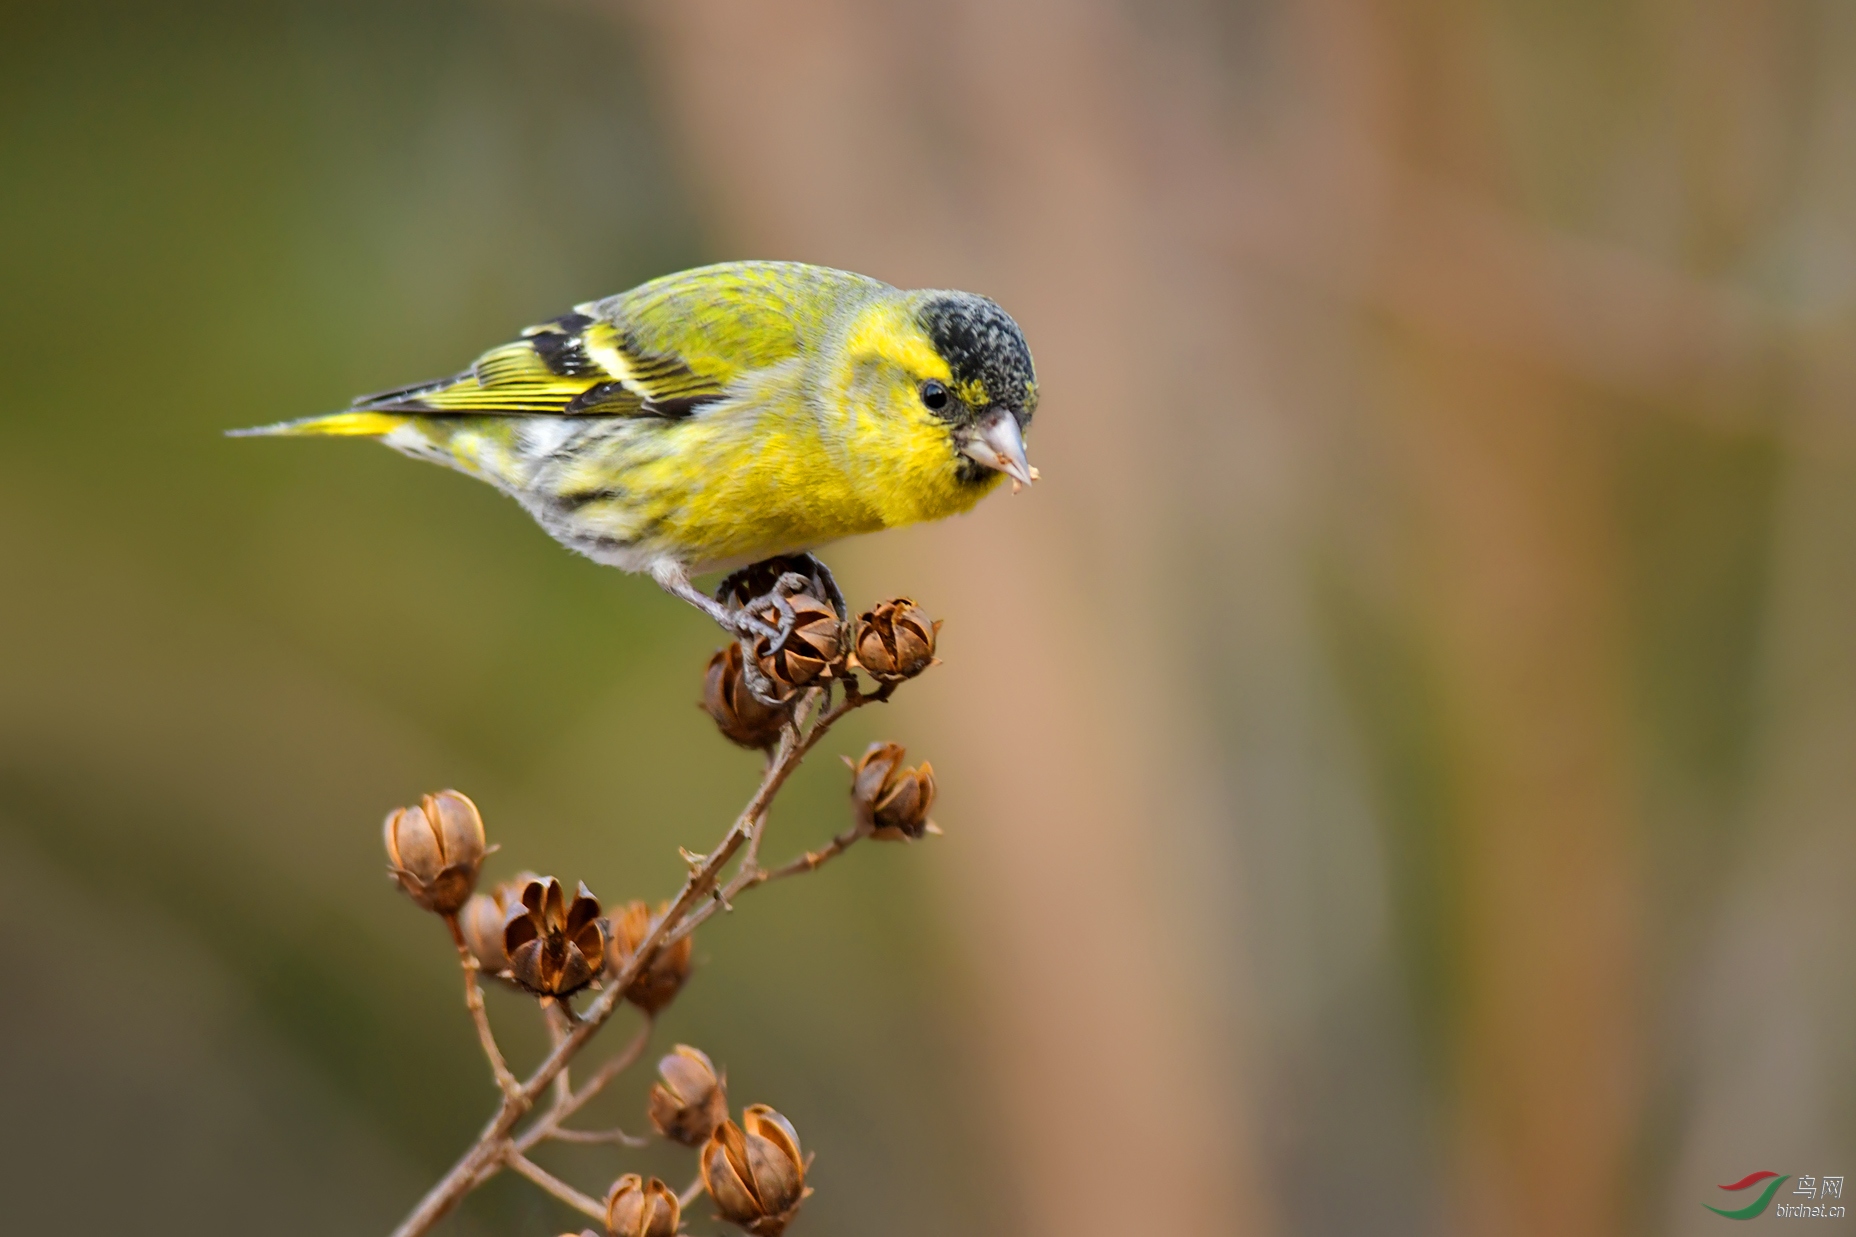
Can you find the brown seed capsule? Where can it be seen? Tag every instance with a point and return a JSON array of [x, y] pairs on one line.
[[435, 849], [816, 648], [482, 921], [554, 948], [755, 1172], [639, 1208], [892, 801], [739, 714], [895, 640], [691, 1100], [656, 986]]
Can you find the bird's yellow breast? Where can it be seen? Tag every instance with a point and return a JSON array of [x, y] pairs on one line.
[[777, 479]]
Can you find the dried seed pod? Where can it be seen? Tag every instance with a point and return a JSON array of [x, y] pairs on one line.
[[870, 773], [895, 640], [816, 648], [435, 849], [890, 800], [902, 809], [691, 1100], [555, 948], [755, 1172], [739, 714], [482, 921], [639, 1208], [657, 984]]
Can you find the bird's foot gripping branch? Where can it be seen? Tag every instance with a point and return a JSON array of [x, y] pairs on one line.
[[581, 964]]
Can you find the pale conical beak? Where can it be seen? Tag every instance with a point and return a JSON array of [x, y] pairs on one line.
[[996, 443]]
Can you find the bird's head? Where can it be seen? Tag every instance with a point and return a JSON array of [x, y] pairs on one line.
[[958, 366], [993, 389]]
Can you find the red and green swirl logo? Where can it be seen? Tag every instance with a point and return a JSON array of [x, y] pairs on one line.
[[1757, 1206]]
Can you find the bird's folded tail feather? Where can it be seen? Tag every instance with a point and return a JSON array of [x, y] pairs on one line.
[[358, 424]]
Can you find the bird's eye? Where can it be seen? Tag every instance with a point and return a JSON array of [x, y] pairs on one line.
[[934, 395]]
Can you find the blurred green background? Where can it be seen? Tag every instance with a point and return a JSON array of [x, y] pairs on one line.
[[1397, 766]]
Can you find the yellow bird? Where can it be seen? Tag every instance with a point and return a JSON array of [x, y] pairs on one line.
[[727, 415]]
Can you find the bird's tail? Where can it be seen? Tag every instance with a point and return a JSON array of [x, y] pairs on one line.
[[357, 424]]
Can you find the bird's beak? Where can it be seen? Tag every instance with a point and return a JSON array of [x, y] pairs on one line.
[[996, 443]]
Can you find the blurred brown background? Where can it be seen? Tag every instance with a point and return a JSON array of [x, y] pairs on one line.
[[1397, 766]]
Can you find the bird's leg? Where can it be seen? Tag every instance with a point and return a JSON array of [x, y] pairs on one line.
[[673, 579]]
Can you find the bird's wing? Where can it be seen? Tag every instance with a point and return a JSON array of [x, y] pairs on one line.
[[547, 372], [663, 349]]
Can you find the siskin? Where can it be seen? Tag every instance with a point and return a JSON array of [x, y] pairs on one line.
[[727, 415]]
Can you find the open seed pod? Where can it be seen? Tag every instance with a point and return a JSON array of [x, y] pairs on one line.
[[555, 948], [816, 649], [740, 715], [889, 798], [895, 640], [755, 1171], [636, 1207]]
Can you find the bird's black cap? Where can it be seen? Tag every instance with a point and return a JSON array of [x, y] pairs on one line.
[[986, 351]]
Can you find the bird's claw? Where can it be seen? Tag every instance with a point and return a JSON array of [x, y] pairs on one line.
[[791, 576], [750, 628]]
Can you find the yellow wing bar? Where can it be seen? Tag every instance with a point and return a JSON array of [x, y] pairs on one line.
[[575, 365]]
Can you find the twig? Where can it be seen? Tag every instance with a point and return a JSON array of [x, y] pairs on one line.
[[691, 1193], [494, 1146], [750, 862], [473, 1001], [556, 1014], [613, 1135], [555, 1186], [812, 860], [752, 875]]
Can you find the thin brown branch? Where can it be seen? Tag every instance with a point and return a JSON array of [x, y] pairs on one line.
[[691, 1193], [494, 1146], [812, 860], [558, 1023], [473, 1001], [752, 875], [613, 1135], [583, 1203], [750, 862]]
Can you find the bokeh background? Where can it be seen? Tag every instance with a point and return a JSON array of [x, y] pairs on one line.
[[1397, 767]]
